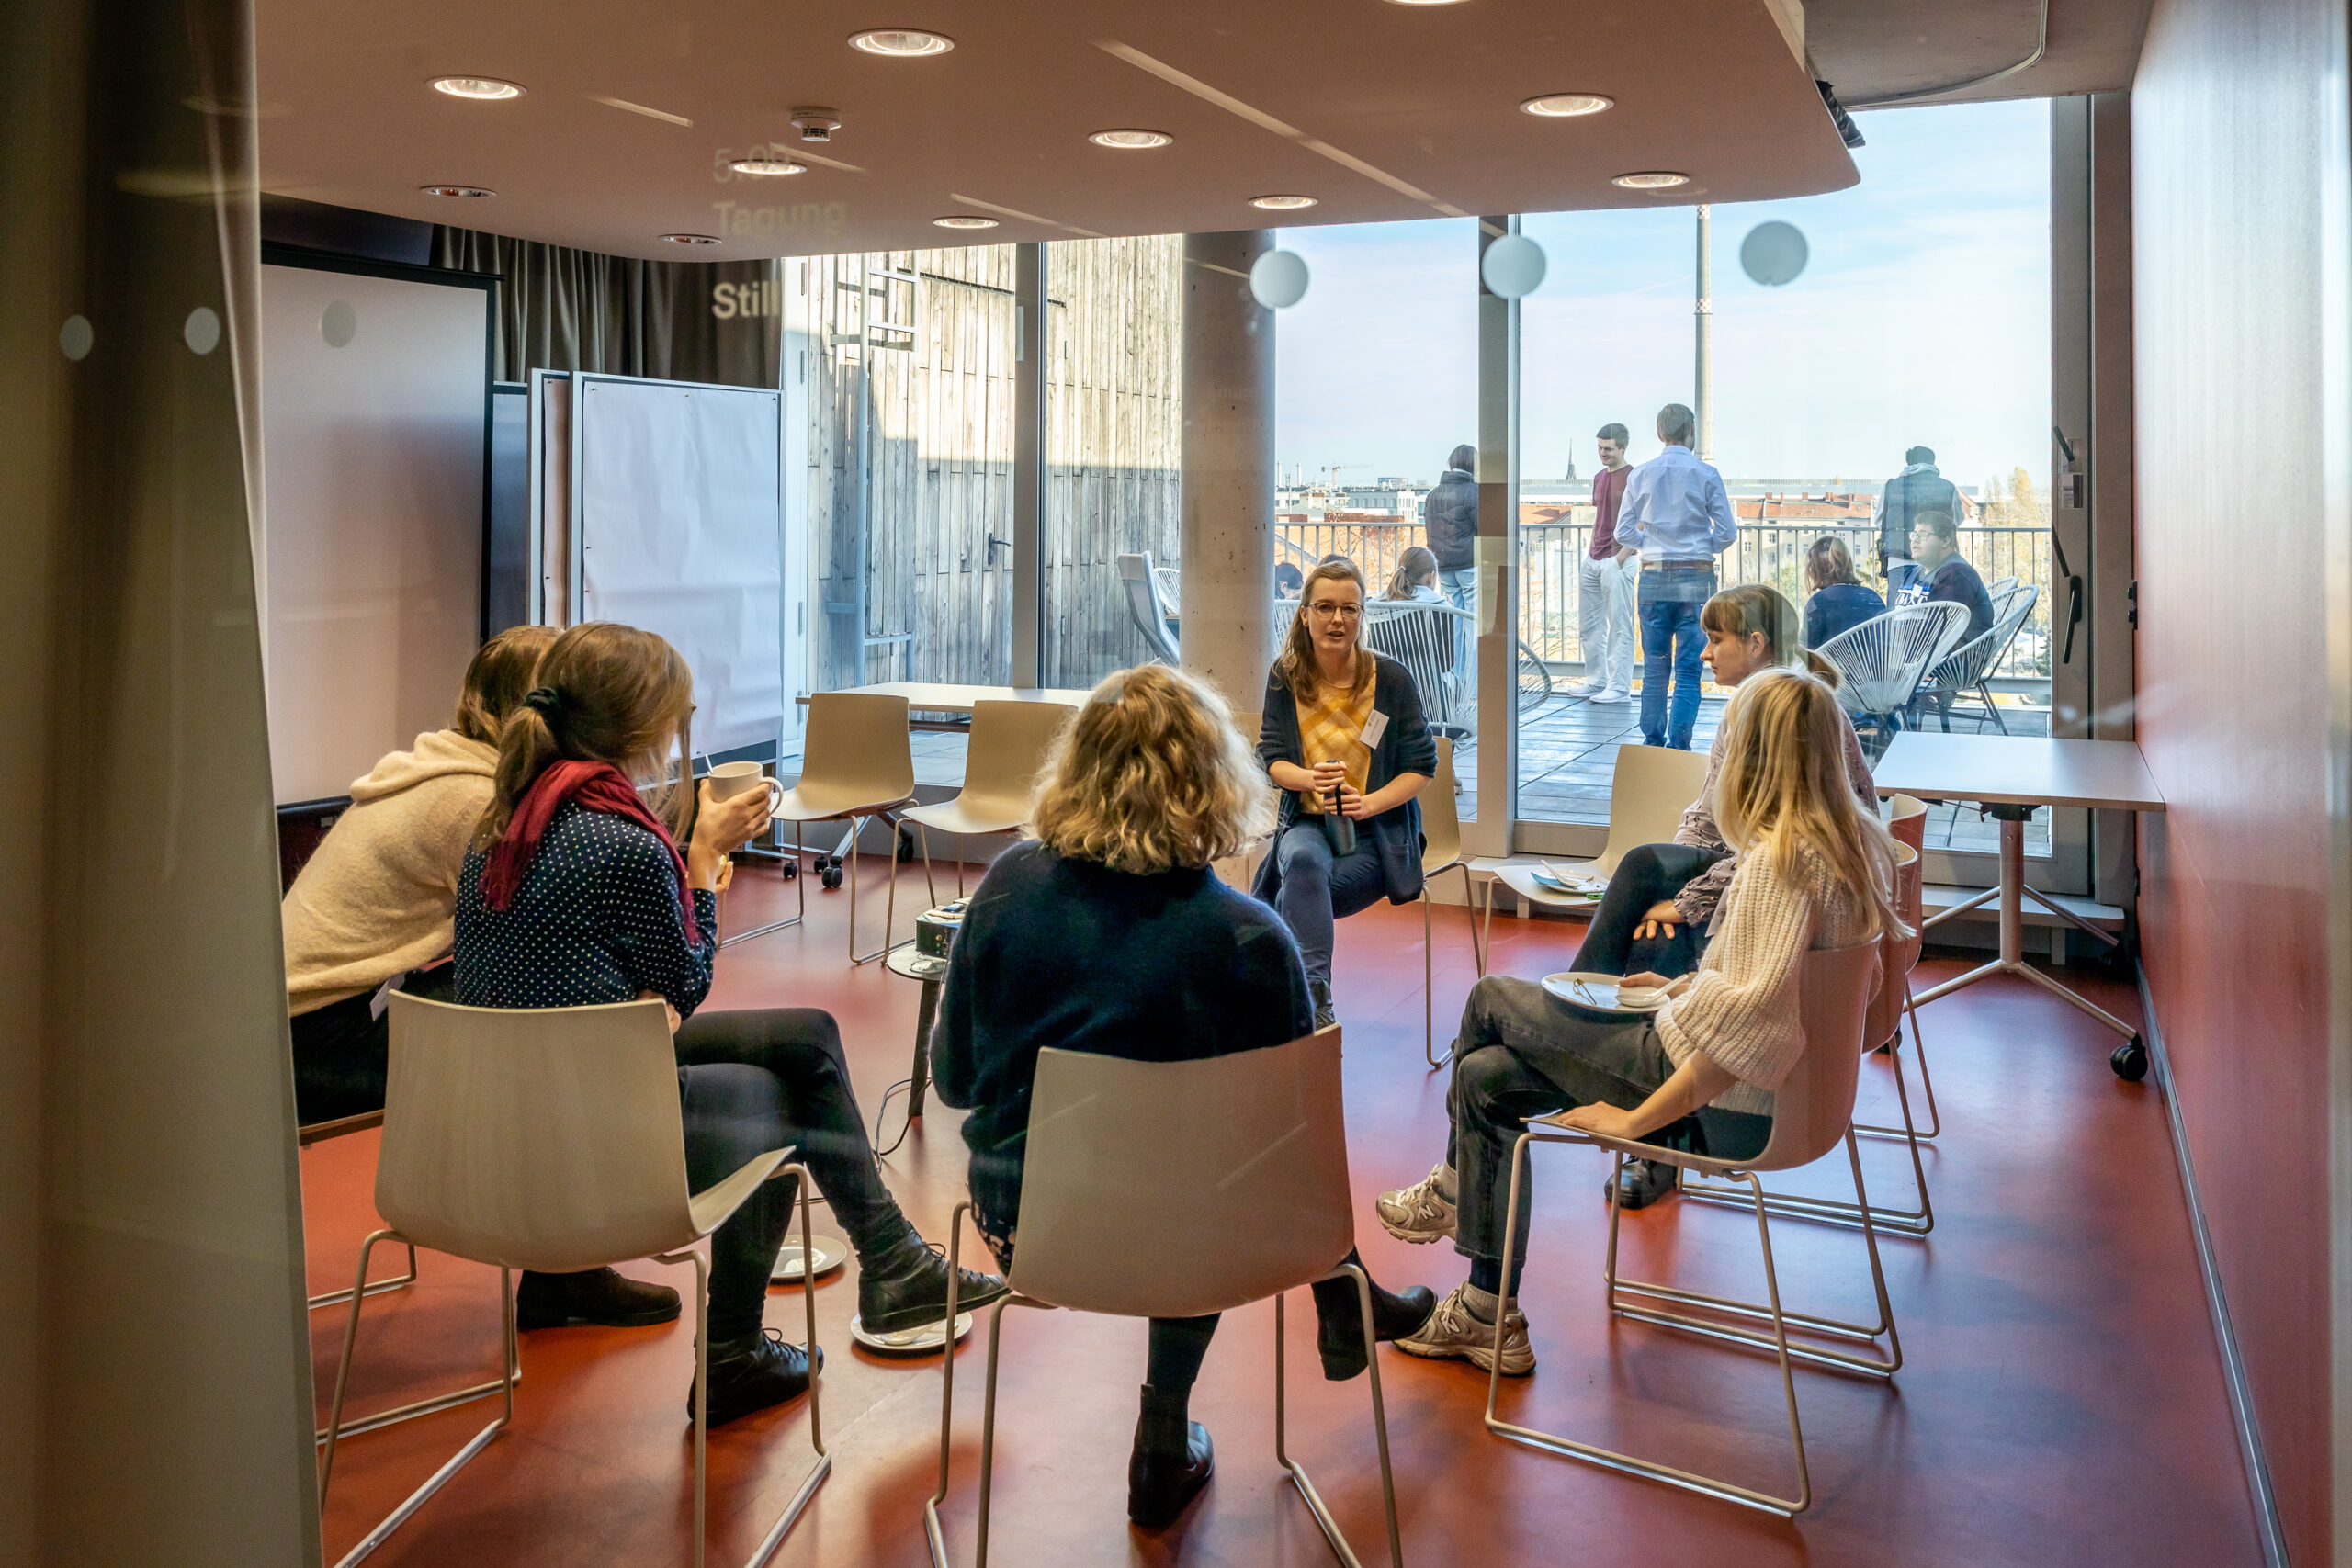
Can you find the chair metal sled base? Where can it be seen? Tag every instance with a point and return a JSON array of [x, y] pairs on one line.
[[1770, 1311], [1428, 960], [336, 1429], [1915, 1222], [375, 1287], [936, 1533]]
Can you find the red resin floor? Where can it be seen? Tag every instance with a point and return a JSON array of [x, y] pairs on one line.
[[2060, 1400]]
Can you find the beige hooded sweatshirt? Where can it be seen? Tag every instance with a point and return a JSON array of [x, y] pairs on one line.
[[381, 896]]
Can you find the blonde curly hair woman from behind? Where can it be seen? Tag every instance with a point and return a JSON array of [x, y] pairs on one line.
[[1109, 932]]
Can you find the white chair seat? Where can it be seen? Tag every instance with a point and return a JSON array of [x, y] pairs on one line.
[[816, 803], [955, 817]]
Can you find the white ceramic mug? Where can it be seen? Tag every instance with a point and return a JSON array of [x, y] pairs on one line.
[[731, 779]]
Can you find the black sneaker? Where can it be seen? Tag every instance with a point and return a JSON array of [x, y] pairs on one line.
[[600, 1297], [754, 1374], [1644, 1182], [906, 1286], [1325, 1015], [1171, 1461]]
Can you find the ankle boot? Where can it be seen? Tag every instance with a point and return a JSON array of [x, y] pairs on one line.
[[904, 1285], [1171, 1461], [1325, 1015], [603, 1297], [1339, 1331]]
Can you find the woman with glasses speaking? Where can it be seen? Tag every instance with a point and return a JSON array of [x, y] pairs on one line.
[[1344, 741]]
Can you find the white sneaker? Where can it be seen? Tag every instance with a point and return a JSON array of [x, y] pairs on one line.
[[1586, 688], [1453, 1331], [1418, 1214], [1612, 696]]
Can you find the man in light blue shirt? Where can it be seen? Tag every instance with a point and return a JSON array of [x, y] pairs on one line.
[[1677, 513]]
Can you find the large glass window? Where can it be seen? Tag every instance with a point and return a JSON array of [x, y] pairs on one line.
[[1375, 387], [1909, 356]]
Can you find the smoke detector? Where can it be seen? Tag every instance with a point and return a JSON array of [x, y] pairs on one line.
[[816, 124]]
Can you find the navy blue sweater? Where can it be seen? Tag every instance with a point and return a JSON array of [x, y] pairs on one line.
[[1070, 954], [596, 919]]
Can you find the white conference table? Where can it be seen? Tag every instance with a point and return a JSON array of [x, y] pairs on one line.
[[2011, 775], [941, 696]]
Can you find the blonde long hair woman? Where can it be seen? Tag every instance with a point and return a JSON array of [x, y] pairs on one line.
[[1108, 932], [1344, 739], [1815, 871]]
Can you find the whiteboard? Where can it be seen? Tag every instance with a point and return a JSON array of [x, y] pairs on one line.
[[374, 396], [677, 524]]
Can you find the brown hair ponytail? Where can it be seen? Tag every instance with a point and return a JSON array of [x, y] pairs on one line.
[[606, 693], [495, 681]]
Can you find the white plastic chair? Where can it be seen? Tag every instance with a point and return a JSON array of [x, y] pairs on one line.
[[1813, 1111], [552, 1139], [1442, 851], [1649, 789], [1144, 608], [1176, 1189], [1883, 1029], [1882, 662], [1006, 747], [1965, 672], [857, 762]]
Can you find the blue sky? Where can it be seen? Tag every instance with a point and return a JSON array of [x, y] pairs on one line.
[[1923, 317]]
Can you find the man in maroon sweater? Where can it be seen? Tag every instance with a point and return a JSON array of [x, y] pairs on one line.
[[1605, 583]]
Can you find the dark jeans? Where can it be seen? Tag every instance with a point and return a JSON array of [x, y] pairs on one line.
[[1650, 873], [1670, 602], [1318, 889], [1524, 1054], [753, 1081], [341, 1054], [1177, 1344]]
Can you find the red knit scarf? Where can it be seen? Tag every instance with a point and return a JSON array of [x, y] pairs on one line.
[[598, 786]]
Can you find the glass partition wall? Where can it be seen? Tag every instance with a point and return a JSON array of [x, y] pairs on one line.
[[1884, 349], [1880, 350]]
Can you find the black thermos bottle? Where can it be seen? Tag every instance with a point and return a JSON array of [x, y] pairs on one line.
[[1340, 830]]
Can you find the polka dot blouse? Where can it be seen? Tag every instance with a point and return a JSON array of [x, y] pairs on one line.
[[596, 919]]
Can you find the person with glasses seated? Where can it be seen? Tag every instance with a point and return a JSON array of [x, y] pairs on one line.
[[1815, 871], [1344, 739], [1109, 934]]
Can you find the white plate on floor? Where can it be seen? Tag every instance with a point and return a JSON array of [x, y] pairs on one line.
[[1598, 993], [920, 1341], [831, 1253], [1570, 884]]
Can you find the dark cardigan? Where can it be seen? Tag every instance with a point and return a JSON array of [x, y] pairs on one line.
[[1405, 746]]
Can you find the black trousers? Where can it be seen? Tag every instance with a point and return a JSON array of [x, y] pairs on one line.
[[340, 1052], [768, 1078], [1649, 873]]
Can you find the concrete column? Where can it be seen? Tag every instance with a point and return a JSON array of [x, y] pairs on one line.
[[1228, 480], [1486, 830]]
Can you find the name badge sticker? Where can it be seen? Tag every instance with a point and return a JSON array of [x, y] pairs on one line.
[[1373, 728]]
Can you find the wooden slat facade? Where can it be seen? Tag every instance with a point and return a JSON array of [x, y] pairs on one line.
[[938, 473]]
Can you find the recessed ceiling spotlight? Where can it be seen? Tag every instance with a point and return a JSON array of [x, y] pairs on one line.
[[692, 239], [767, 166], [1282, 203], [1654, 180], [469, 192], [1567, 105], [900, 41], [1131, 137], [964, 220], [476, 87]]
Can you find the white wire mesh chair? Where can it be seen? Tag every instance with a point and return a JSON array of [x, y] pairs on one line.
[[1965, 672], [1882, 662], [1138, 581], [2001, 585], [1425, 639]]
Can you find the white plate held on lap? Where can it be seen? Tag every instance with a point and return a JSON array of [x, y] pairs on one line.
[[1601, 993]]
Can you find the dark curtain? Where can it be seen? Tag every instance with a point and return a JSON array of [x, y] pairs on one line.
[[561, 309]]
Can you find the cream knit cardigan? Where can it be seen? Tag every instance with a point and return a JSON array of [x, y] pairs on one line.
[[381, 896], [1741, 1011]]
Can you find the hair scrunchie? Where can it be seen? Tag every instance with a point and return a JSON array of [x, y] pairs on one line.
[[544, 699]]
